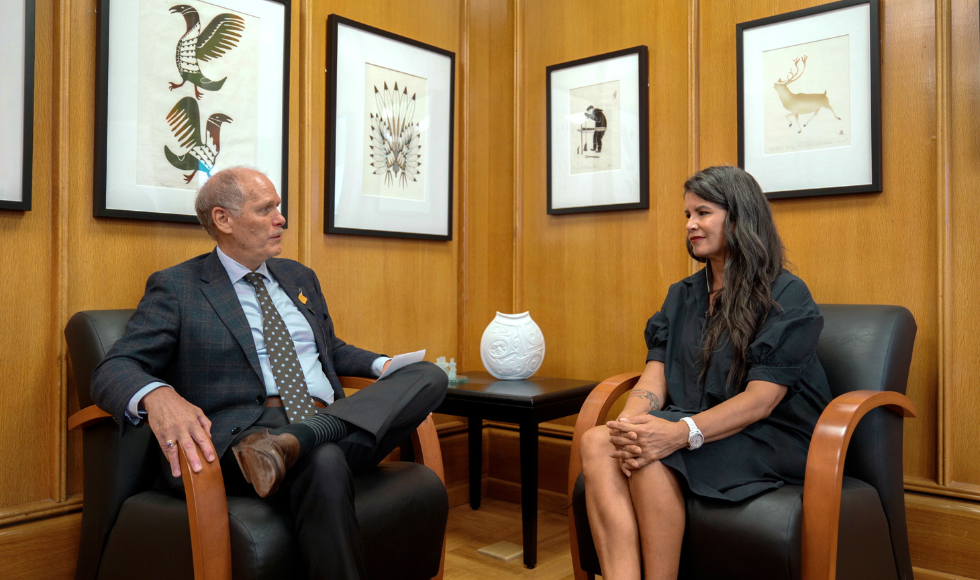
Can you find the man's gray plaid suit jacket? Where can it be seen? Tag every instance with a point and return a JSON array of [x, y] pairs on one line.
[[190, 332]]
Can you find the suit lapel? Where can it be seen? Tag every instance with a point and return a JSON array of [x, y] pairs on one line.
[[221, 294]]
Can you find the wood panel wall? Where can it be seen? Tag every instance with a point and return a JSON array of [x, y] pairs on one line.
[[27, 356], [590, 280], [489, 164], [959, 462]]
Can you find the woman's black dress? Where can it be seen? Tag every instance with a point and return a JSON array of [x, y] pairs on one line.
[[770, 452]]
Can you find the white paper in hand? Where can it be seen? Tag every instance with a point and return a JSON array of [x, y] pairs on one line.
[[403, 360]]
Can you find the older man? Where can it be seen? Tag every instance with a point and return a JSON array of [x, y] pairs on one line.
[[227, 355]]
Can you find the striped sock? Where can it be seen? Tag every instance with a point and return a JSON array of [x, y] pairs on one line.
[[319, 428], [327, 427]]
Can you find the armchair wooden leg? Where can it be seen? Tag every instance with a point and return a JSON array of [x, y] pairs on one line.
[[580, 574], [428, 452]]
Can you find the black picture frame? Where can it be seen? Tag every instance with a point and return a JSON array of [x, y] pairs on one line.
[[101, 179], [871, 182], [344, 213], [593, 70], [27, 139]]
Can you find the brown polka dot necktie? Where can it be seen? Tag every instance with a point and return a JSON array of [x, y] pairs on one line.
[[282, 356]]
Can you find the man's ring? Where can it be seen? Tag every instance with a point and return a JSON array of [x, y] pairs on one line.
[[171, 443]]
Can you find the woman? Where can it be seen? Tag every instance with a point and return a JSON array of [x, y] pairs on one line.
[[731, 360]]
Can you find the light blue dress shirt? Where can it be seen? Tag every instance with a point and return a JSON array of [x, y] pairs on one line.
[[297, 325]]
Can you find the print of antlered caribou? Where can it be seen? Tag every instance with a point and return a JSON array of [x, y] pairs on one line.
[[797, 103]]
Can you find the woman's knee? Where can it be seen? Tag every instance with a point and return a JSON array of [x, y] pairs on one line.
[[595, 445]]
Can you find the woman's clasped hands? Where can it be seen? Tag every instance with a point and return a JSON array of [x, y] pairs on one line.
[[642, 439]]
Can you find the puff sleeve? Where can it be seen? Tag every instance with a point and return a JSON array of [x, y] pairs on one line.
[[787, 341], [656, 337]]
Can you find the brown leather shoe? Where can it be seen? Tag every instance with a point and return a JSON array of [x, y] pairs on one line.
[[264, 459]]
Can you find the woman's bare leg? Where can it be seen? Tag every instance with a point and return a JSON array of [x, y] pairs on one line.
[[607, 493], [658, 503]]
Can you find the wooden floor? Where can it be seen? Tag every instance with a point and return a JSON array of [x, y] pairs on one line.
[[496, 521]]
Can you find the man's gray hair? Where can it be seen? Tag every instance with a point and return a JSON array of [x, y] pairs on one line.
[[225, 189]]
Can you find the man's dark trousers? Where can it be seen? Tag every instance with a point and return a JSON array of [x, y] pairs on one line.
[[319, 488]]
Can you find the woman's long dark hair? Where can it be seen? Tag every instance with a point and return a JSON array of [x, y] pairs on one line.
[[755, 258]]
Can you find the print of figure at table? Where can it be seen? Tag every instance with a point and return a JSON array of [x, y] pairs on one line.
[[599, 118], [594, 128], [595, 123]]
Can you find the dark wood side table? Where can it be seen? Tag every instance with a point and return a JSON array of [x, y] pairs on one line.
[[527, 403]]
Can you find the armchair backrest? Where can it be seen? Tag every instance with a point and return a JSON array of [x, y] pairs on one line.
[[869, 347], [90, 335], [118, 459]]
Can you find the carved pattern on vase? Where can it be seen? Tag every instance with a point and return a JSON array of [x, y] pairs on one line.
[[512, 347]]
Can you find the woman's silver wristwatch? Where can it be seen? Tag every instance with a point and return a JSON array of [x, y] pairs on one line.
[[696, 438]]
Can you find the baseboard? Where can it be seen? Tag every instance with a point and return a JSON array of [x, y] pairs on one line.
[[459, 492], [39, 510], [923, 574], [44, 548], [944, 535], [509, 491]]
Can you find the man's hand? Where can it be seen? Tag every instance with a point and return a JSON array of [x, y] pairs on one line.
[[643, 439], [172, 418], [385, 368]]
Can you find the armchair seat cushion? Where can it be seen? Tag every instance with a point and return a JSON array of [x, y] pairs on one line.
[[401, 507], [760, 538]]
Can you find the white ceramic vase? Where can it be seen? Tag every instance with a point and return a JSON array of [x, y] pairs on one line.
[[512, 347]]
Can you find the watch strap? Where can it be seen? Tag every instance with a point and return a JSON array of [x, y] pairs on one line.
[[693, 431]]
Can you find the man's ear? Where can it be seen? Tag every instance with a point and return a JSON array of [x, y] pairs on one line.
[[222, 219]]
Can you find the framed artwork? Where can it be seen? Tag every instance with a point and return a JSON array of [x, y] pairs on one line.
[[597, 133], [809, 100], [187, 89], [389, 166], [17, 96]]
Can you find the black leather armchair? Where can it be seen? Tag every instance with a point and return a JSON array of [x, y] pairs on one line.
[[129, 518], [846, 523]]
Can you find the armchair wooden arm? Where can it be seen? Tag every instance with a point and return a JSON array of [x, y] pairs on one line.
[[207, 507], [207, 503], [593, 413], [87, 416], [207, 512], [825, 474]]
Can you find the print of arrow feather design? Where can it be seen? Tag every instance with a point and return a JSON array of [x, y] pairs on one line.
[[395, 139]]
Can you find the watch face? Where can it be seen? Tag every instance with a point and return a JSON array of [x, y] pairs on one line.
[[696, 440]]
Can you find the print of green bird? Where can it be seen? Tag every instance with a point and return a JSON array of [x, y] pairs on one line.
[[185, 123], [194, 47]]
